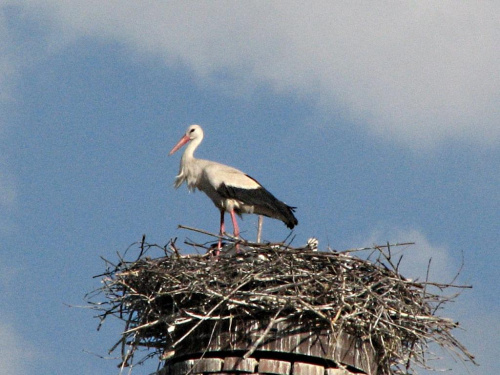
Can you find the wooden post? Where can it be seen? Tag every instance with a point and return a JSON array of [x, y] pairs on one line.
[[285, 350]]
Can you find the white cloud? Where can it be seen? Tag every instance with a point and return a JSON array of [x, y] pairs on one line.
[[415, 72], [15, 351], [444, 264]]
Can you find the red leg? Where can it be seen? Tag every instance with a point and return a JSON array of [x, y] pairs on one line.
[[236, 229], [235, 224]]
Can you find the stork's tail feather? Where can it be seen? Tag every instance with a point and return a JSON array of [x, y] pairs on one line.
[[291, 219], [264, 202]]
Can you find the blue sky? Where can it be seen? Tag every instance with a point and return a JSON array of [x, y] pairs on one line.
[[379, 123]]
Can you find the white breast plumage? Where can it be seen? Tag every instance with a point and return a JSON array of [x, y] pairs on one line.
[[229, 188]]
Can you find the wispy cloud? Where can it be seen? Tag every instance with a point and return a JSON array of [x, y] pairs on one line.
[[15, 351], [414, 72], [443, 265]]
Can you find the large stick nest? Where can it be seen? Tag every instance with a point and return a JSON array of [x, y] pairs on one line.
[[167, 299]]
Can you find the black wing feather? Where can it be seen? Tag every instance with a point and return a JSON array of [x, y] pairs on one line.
[[260, 197]]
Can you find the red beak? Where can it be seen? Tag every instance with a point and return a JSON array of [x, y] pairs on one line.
[[185, 139]]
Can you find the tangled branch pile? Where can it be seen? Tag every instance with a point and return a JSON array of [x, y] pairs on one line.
[[164, 300]]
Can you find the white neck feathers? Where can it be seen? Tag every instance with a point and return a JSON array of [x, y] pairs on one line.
[[188, 166]]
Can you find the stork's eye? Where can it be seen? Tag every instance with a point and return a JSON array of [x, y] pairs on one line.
[[192, 130]]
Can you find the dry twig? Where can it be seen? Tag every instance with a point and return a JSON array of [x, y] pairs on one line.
[[164, 300]]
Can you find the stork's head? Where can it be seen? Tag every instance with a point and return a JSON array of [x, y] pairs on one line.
[[192, 132]]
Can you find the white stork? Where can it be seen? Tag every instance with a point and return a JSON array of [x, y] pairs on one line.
[[230, 189]]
